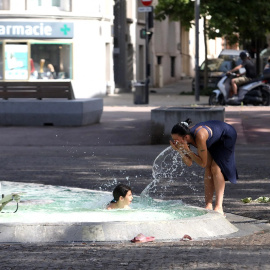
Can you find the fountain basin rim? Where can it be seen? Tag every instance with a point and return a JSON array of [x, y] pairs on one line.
[[210, 225], [209, 215]]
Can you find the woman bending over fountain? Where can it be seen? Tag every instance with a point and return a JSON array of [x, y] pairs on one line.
[[215, 143], [122, 197]]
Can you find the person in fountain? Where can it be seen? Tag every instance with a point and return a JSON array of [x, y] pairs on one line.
[[122, 197], [215, 143]]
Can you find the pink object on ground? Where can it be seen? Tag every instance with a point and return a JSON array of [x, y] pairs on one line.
[[140, 238], [186, 237]]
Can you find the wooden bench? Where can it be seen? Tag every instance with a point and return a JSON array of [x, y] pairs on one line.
[[36, 89]]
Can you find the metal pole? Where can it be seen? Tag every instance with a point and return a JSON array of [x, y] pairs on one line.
[[197, 76], [146, 59]]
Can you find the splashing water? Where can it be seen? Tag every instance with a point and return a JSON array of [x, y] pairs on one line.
[[167, 165]]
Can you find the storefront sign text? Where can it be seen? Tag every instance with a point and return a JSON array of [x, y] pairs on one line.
[[36, 30]]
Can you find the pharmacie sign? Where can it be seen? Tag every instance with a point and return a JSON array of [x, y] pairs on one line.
[[36, 30]]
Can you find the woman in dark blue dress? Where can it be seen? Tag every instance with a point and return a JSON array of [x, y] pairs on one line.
[[215, 143]]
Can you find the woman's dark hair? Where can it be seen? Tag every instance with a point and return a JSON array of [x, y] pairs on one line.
[[120, 190], [182, 128]]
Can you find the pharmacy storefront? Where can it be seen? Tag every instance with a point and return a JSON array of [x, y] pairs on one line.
[[32, 50]]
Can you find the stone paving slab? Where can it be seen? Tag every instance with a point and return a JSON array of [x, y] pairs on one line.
[[118, 150], [248, 252]]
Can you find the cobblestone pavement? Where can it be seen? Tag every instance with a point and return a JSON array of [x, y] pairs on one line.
[[118, 149], [250, 252]]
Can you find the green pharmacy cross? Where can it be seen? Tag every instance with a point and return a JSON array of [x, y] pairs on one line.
[[65, 29]]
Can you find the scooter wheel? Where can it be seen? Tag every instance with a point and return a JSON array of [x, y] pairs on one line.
[[265, 98], [214, 100]]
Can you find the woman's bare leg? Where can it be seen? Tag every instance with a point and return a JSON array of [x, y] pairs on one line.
[[209, 187], [219, 184]]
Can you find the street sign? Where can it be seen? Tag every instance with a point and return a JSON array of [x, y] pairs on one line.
[[144, 9], [147, 2]]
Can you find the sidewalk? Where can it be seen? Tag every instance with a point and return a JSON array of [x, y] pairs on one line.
[[119, 149], [171, 95], [251, 122]]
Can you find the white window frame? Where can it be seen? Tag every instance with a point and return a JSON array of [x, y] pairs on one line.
[[46, 5], [4, 4]]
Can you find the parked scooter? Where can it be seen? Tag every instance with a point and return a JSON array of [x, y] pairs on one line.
[[256, 92]]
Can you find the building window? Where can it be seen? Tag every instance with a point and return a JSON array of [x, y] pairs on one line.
[[55, 3], [51, 61], [159, 60], [35, 60], [1, 61], [4, 4], [49, 5], [172, 66]]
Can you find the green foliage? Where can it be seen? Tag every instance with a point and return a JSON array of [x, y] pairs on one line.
[[176, 10], [243, 21], [239, 20], [235, 19]]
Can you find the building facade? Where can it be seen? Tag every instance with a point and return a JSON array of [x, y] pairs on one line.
[[130, 48], [171, 48], [96, 44], [58, 40]]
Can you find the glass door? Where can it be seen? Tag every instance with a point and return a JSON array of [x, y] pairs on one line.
[[16, 61]]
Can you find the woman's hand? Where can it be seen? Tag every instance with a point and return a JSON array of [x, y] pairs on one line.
[[173, 145], [183, 149], [180, 147]]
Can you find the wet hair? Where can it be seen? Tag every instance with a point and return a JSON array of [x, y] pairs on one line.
[[182, 128], [120, 190]]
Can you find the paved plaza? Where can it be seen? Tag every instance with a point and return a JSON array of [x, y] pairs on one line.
[[119, 150]]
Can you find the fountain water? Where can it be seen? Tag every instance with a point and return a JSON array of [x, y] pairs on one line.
[[50, 214], [165, 166], [54, 204]]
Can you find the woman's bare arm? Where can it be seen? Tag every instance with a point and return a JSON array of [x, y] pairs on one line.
[[201, 157]]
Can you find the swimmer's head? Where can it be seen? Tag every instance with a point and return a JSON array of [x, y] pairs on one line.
[[120, 190]]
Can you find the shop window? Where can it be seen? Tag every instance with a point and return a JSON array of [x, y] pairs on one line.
[[1, 61], [49, 5], [51, 61], [35, 61], [16, 61], [4, 4]]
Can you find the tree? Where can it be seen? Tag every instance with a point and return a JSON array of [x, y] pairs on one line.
[[246, 22]]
